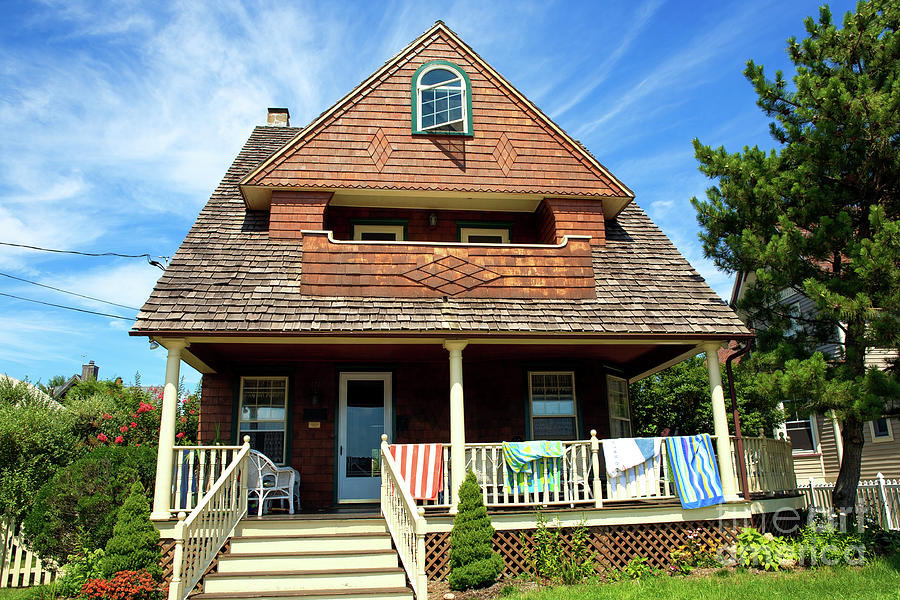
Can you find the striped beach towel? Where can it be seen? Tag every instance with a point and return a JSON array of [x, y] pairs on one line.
[[421, 467], [693, 466], [523, 466]]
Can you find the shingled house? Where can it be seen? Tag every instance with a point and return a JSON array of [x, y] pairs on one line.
[[433, 260]]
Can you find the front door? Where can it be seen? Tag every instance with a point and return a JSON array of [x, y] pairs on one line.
[[365, 414]]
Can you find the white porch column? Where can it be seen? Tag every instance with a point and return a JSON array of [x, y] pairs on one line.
[[457, 420], [720, 422], [162, 490]]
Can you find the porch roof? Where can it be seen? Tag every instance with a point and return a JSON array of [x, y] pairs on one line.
[[229, 277]]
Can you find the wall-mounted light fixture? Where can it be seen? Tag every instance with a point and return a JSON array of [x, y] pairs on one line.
[[432, 220]]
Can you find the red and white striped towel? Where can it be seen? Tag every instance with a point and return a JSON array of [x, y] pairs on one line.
[[421, 467]]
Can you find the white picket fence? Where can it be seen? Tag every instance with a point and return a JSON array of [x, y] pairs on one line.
[[879, 496], [19, 566]]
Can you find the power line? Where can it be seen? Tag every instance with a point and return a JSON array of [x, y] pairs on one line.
[[91, 312], [50, 287], [147, 256]]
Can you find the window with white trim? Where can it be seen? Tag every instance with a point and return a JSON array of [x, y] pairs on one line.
[[377, 233], [619, 407], [881, 430], [263, 415], [552, 397], [440, 96], [800, 428], [484, 235]]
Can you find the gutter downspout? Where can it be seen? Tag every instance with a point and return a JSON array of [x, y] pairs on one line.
[[738, 439]]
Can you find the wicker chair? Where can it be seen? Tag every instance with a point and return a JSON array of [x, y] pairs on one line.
[[267, 481]]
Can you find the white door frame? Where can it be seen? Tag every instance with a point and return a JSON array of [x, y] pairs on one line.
[[345, 376]]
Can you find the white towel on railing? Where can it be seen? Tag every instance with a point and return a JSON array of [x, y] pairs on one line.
[[637, 454], [421, 468]]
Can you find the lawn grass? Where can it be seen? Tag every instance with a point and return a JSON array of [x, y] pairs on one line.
[[15, 593], [876, 581]]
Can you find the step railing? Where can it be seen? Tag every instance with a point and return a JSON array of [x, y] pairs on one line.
[[405, 521], [200, 535], [195, 470]]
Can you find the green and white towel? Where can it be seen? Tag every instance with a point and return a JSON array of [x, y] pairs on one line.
[[523, 466]]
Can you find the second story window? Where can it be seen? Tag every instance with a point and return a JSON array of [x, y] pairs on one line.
[[441, 102], [481, 233], [379, 231]]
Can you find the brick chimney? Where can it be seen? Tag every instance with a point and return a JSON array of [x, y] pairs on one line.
[[89, 371], [279, 117]]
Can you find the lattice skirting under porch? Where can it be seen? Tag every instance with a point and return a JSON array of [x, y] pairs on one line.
[[614, 545], [167, 549]]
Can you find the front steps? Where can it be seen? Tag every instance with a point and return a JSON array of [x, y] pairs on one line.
[[345, 557]]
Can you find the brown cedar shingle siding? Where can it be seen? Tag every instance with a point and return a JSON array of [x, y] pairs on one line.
[[344, 150], [228, 276], [399, 270]]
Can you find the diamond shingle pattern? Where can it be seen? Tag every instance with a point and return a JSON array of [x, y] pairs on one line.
[[380, 149], [228, 276], [505, 154], [451, 275]]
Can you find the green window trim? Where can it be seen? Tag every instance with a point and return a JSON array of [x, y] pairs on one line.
[[414, 99], [460, 225], [385, 222]]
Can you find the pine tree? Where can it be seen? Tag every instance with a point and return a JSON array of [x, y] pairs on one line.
[[473, 563], [819, 215], [134, 545]]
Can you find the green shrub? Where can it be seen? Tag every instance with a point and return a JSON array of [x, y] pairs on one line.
[[693, 555], [824, 543], [134, 545], [473, 563], [637, 568], [79, 568], [763, 551], [551, 556], [77, 507], [35, 441]]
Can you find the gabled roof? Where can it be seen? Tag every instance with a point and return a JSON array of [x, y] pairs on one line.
[[365, 142], [229, 277]]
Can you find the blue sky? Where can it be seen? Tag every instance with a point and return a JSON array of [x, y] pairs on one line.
[[118, 119]]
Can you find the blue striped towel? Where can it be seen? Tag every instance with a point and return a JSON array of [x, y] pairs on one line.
[[694, 469], [523, 465]]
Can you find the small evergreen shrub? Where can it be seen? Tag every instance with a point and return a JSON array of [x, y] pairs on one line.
[[134, 545], [473, 562]]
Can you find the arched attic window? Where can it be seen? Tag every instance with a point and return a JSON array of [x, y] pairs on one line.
[[441, 99]]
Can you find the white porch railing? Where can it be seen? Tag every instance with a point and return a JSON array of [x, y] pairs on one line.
[[770, 465], [200, 535], [195, 470], [879, 497], [770, 469], [405, 521]]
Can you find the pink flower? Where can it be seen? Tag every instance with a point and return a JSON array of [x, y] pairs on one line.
[[180, 435], [193, 412], [119, 439], [184, 419], [123, 428], [133, 424], [144, 407], [107, 416], [102, 437]]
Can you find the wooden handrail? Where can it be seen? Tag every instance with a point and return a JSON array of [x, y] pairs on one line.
[[200, 535], [405, 521]]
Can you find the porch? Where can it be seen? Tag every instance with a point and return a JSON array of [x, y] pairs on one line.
[[412, 391]]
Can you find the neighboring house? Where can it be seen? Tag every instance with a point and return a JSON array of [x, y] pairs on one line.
[[89, 372], [815, 438], [435, 260], [36, 391]]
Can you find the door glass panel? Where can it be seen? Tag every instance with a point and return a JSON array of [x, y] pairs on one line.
[[365, 424]]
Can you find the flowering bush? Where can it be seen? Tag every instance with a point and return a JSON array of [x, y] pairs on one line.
[[124, 585], [693, 555]]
